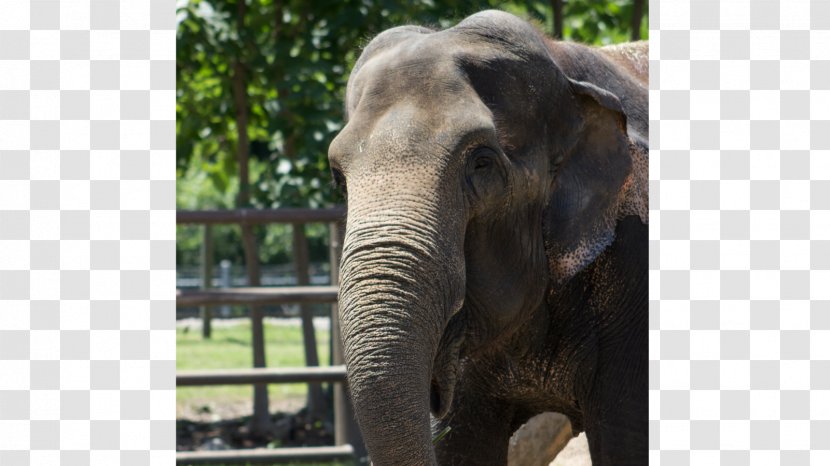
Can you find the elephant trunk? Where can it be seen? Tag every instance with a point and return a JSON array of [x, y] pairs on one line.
[[401, 281]]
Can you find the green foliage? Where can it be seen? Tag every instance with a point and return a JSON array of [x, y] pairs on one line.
[[296, 55], [600, 22]]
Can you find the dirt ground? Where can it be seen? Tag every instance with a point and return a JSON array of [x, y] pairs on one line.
[[221, 425], [212, 410], [289, 430]]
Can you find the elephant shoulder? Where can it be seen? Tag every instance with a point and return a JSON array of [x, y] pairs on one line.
[[631, 56]]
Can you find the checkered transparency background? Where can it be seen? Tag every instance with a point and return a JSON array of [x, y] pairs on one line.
[[740, 252], [87, 234], [740, 228]]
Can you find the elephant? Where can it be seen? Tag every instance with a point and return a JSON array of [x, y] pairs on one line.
[[494, 262]]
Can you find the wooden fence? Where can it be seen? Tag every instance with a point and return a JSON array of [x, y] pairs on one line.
[[349, 443]]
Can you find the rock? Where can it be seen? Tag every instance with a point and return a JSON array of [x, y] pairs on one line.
[[215, 444], [539, 440]]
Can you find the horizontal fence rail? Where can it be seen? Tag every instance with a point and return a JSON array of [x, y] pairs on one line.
[[258, 216], [267, 455], [346, 432], [261, 375], [257, 295]]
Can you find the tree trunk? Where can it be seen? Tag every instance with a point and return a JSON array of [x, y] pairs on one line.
[[556, 5], [260, 424], [636, 19], [316, 402]]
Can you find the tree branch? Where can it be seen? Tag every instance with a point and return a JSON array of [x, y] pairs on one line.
[[557, 18]]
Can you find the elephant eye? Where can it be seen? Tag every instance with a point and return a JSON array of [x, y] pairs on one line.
[[485, 175], [482, 163], [482, 158], [339, 180]]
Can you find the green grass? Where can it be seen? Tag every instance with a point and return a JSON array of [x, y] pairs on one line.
[[230, 348]]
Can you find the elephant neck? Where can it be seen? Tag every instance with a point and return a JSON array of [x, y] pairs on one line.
[[598, 322]]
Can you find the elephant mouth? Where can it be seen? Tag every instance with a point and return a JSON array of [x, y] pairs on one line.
[[446, 367], [435, 396]]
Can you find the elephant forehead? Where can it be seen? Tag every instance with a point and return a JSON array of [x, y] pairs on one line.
[[411, 100], [424, 74]]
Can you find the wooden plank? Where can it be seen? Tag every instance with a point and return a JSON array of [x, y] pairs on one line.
[[257, 295], [207, 277], [261, 375], [259, 216], [316, 403], [261, 421], [266, 455]]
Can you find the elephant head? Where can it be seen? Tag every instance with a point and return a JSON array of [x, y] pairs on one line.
[[478, 177]]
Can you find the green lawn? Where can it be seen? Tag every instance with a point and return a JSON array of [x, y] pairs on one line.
[[229, 348]]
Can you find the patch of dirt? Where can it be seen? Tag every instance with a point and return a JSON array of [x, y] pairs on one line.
[[206, 410], [295, 429]]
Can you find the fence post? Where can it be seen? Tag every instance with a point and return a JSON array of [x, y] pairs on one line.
[[207, 278], [316, 402], [346, 430], [225, 282], [261, 421]]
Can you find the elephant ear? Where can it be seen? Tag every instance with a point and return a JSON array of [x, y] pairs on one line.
[[600, 175]]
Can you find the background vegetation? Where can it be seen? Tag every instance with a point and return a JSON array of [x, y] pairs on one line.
[[260, 89]]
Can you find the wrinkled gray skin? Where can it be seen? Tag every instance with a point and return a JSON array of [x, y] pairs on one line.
[[494, 264]]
